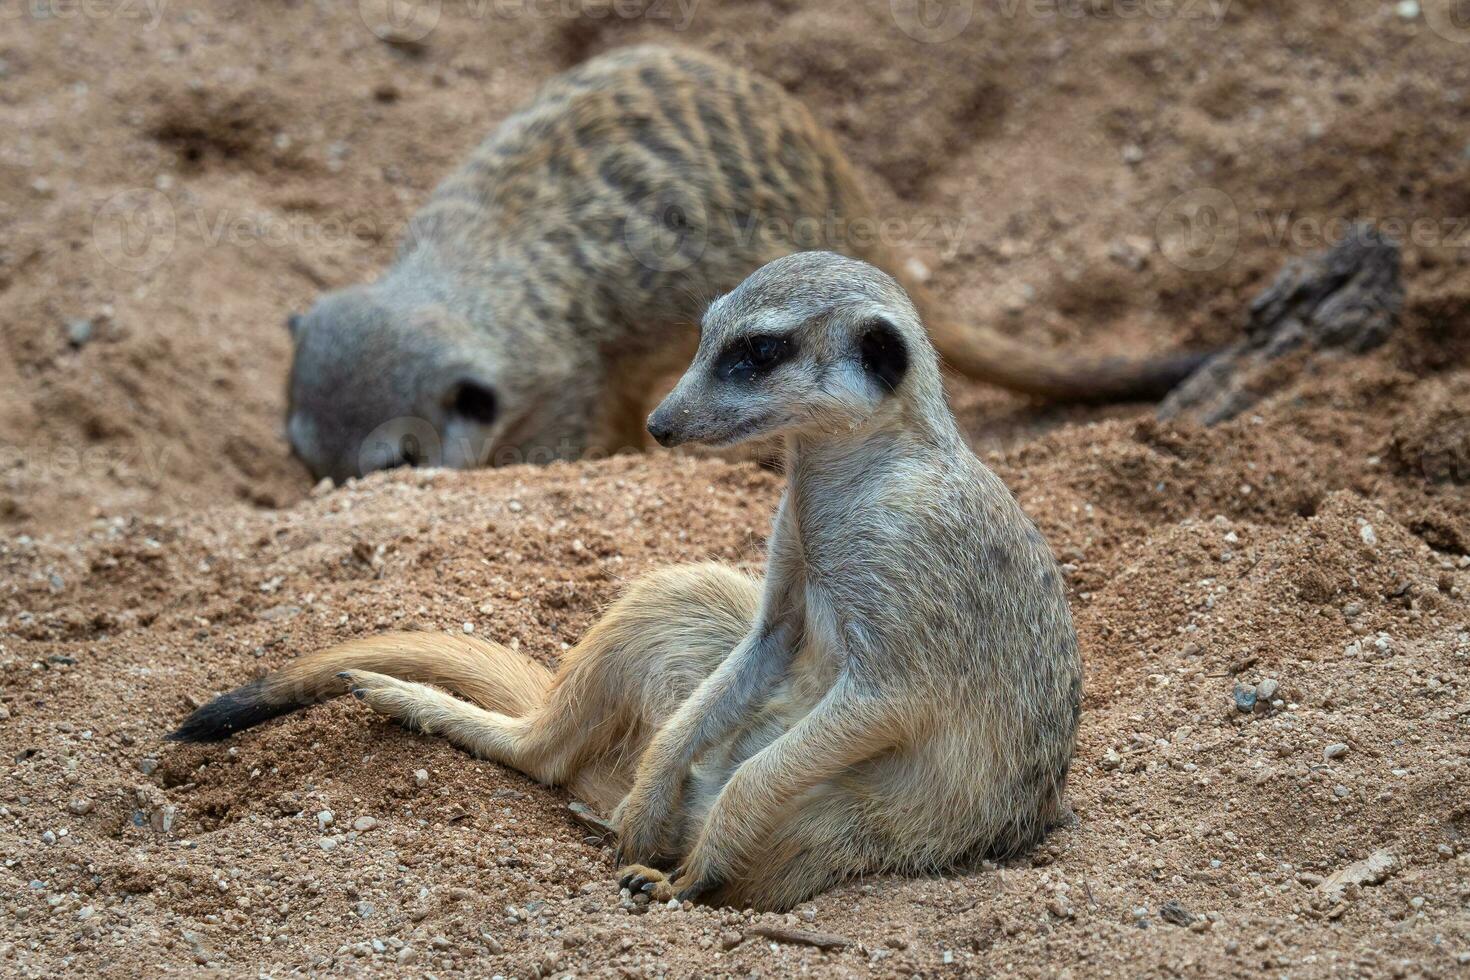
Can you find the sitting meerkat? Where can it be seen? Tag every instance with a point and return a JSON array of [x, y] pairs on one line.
[[899, 694], [550, 287]]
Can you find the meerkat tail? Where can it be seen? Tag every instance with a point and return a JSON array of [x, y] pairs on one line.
[[985, 355], [490, 675]]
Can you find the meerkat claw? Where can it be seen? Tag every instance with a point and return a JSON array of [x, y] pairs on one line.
[[650, 881]]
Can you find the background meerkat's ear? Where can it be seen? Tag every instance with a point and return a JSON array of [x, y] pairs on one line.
[[884, 354]]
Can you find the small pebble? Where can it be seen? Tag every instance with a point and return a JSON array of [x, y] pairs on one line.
[[1267, 689], [1407, 9], [79, 332], [1335, 751], [1245, 698], [80, 806], [1340, 791], [324, 819], [364, 824], [421, 777], [327, 844], [364, 910], [148, 766], [49, 837]]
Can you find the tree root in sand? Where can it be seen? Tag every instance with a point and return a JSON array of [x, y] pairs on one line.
[[1346, 300]]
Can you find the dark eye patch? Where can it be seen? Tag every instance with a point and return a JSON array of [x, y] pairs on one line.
[[475, 402], [749, 356]]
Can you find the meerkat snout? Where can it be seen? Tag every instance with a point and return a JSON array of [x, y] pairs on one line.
[[418, 392], [814, 341]]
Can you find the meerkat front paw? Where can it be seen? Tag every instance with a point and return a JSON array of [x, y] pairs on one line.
[[650, 881]]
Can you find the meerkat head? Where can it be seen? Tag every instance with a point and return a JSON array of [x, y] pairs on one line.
[[375, 386], [813, 343]]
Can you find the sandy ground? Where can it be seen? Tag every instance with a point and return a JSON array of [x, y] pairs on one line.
[[1120, 176]]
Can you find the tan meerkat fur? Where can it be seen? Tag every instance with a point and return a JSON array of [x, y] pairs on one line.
[[899, 693], [549, 287]]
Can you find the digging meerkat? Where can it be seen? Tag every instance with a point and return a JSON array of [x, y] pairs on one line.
[[899, 694], [553, 283]]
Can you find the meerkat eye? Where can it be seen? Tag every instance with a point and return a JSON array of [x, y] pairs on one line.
[[748, 356], [474, 401]]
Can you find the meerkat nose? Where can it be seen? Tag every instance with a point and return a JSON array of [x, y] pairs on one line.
[[661, 431]]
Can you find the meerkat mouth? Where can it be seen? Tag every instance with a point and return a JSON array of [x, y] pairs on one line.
[[742, 431]]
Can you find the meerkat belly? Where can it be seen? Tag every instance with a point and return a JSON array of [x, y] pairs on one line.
[[798, 692]]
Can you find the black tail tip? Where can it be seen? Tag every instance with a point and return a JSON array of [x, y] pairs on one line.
[[242, 708]]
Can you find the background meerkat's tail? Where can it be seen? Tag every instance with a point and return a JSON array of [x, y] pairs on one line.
[[985, 355], [492, 676]]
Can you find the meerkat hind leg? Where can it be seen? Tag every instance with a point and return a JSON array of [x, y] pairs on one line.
[[668, 631]]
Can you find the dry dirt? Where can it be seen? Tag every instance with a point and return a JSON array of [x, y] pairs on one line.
[[160, 544]]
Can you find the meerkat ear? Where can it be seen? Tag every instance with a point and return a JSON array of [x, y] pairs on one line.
[[884, 355]]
